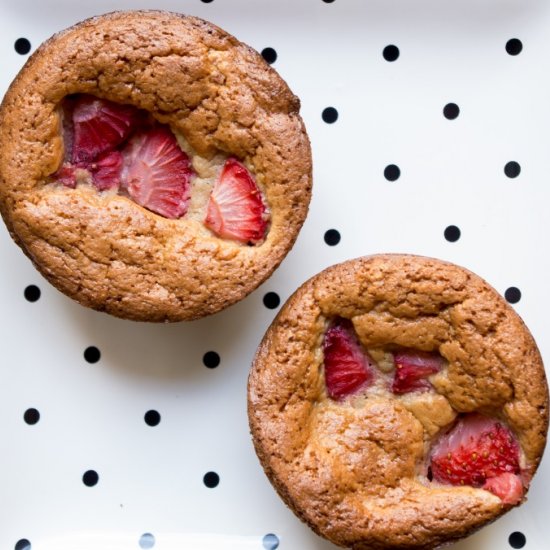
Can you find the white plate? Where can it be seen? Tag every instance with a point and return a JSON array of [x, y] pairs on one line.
[[452, 173]]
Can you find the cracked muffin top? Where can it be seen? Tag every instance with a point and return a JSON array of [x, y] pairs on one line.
[[152, 166], [398, 402]]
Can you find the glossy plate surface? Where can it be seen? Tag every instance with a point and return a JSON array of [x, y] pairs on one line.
[[451, 172]]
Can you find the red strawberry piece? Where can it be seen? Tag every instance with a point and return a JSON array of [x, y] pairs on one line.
[[475, 451], [508, 487], [99, 126], [236, 209], [68, 127], [412, 367], [106, 171], [157, 173], [66, 175], [347, 367]]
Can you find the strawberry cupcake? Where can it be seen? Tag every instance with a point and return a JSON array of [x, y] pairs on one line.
[[398, 402], [152, 166]]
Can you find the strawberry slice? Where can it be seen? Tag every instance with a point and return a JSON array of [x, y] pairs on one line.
[[236, 209], [68, 126], [412, 367], [508, 487], [66, 175], [347, 367], [474, 452], [99, 126], [107, 170], [157, 173]]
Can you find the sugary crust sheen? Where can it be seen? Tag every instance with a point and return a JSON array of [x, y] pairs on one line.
[[106, 251], [350, 469]]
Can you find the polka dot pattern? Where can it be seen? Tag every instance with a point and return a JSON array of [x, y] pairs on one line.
[[512, 169], [270, 542], [330, 115], [270, 55], [147, 540], [90, 478], [271, 300], [452, 233], [451, 111], [22, 46], [32, 293], [152, 418], [512, 295], [517, 539], [211, 359], [332, 237], [118, 381], [92, 354], [211, 479], [392, 172], [31, 416], [391, 53], [514, 46]]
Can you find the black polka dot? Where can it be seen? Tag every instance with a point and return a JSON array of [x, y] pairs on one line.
[[328, 1], [22, 46], [330, 115], [211, 479], [512, 169], [211, 359], [392, 172], [147, 540], [270, 55], [90, 478], [512, 295], [514, 46], [390, 53], [206, 1], [332, 237], [32, 293], [31, 416], [452, 233], [152, 418], [517, 539], [451, 111], [22, 544], [270, 541], [272, 300], [92, 354]]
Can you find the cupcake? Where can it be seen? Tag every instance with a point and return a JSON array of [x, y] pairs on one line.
[[398, 402], [152, 166]]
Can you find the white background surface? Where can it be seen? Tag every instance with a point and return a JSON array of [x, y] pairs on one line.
[[150, 478]]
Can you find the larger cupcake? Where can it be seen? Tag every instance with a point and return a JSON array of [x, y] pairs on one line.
[[152, 166], [398, 402]]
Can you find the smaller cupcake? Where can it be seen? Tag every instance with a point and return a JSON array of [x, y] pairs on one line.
[[398, 402]]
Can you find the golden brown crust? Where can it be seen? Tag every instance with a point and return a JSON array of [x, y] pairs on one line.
[[350, 469], [106, 251]]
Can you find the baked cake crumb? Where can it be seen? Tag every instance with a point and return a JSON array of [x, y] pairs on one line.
[[219, 100], [398, 401]]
